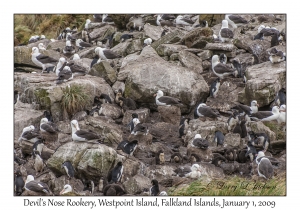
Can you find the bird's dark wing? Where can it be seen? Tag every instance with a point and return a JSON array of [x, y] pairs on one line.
[[237, 19], [30, 135], [221, 68], [262, 114], [207, 112], [258, 36], [85, 44], [167, 17], [169, 100], [226, 33], [187, 20], [45, 59], [75, 68], [87, 135], [266, 168], [48, 128], [110, 54]]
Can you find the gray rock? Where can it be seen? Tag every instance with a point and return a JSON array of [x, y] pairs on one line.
[[205, 55], [264, 80], [160, 172], [145, 78], [212, 171], [227, 94], [25, 116], [87, 53], [154, 32], [137, 184], [89, 160], [169, 49], [174, 56], [198, 38], [206, 65], [128, 47], [170, 38], [232, 139], [204, 155], [220, 46], [104, 70], [170, 114], [190, 61], [101, 33], [111, 110], [85, 62]]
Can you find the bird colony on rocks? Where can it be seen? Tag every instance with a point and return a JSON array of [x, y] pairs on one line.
[[137, 104]]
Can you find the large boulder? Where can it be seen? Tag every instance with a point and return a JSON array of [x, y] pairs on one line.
[[102, 32], [25, 116], [170, 38], [170, 114], [89, 160], [145, 77], [197, 38], [137, 184], [104, 70], [105, 127], [227, 95], [128, 47], [41, 89], [154, 32], [190, 61], [169, 49], [264, 80]]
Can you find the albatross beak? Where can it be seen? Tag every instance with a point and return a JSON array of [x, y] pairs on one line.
[[77, 127], [61, 192], [154, 95]]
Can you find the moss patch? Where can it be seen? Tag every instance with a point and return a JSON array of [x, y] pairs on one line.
[[42, 97]]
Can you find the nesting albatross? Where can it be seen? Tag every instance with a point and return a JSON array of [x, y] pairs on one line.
[[42, 60], [34, 186], [105, 54], [225, 34], [203, 110], [264, 168], [220, 69], [162, 100], [82, 135]]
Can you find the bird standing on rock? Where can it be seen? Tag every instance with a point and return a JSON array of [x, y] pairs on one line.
[[225, 34], [42, 60], [162, 100], [220, 69], [203, 110]]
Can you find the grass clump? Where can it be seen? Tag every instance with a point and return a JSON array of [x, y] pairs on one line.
[[234, 186], [74, 99]]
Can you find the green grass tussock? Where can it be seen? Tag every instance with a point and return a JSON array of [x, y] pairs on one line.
[[74, 99]]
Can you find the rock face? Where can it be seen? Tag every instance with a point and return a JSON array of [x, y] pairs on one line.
[[25, 116], [41, 89], [90, 160], [169, 49], [154, 32], [170, 114], [190, 61], [145, 78], [261, 86], [104, 70]]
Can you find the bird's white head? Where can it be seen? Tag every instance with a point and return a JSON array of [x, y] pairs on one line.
[[254, 103], [41, 46], [62, 60], [78, 41], [68, 43], [159, 93], [43, 37], [163, 193], [224, 24], [76, 57], [179, 17], [88, 21], [29, 178], [195, 167], [67, 68], [67, 188], [260, 154], [74, 125], [215, 60], [197, 136], [44, 120], [136, 121], [282, 108], [35, 50], [98, 50], [260, 28]]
